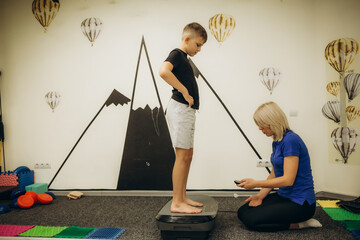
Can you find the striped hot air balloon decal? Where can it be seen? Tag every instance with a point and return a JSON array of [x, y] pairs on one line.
[[221, 26], [352, 113], [352, 85], [331, 110], [345, 140], [52, 99], [45, 11], [340, 53], [333, 88], [91, 27], [270, 78]]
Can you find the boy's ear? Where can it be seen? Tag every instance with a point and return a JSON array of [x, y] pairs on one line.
[[187, 38]]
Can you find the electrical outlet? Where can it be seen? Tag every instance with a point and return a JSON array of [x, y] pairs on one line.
[[263, 163], [42, 166]]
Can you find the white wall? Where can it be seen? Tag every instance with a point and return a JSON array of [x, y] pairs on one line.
[[334, 21], [290, 35]]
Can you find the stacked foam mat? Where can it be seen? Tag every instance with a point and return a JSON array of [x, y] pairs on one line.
[[351, 221], [59, 232]]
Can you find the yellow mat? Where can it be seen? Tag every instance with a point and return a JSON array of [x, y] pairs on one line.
[[328, 203]]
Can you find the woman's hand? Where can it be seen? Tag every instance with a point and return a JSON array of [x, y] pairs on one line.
[[254, 201], [248, 183]]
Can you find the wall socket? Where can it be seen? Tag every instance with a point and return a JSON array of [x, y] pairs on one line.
[[263, 163], [42, 166]]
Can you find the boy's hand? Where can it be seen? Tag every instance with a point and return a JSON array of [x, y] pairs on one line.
[[188, 98], [169, 77]]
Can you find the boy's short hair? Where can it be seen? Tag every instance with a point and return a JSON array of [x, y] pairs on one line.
[[194, 29], [270, 115]]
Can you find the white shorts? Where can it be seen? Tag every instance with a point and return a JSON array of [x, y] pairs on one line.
[[181, 121]]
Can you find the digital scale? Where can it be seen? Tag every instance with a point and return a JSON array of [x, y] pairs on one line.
[[188, 225]]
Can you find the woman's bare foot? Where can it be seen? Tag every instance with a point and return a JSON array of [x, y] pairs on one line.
[[193, 203], [184, 208]]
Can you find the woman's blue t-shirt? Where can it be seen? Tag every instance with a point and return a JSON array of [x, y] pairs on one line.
[[303, 188]]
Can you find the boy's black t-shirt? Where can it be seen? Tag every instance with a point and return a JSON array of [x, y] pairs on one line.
[[184, 73]]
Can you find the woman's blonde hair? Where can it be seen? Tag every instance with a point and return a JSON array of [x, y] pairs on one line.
[[270, 115]]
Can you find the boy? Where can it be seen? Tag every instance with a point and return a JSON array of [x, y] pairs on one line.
[[177, 72]]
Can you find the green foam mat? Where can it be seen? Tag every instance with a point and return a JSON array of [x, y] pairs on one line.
[[340, 214], [74, 232], [42, 231], [351, 225]]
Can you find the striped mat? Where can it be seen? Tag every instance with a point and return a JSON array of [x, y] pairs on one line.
[[349, 220], [59, 232]]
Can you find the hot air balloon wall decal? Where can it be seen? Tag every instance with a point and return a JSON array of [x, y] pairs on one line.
[[331, 110], [270, 78], [91, 28], [340, 54], [333, 88], [221, 26], [345, 140], [352, 85], [45, 11], [52, 99], [352, 113]]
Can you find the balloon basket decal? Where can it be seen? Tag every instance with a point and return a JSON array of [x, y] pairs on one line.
[[340, 54]]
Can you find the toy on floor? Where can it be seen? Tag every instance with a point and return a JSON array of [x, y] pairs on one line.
[[17, 192], [14, 204], [21, 176], [21, 169], [25, 201], [8, 179], [33, 195], [25, 176], [51, 194], [44, 198], [37, 187], [21, 198], [75, 195], [4, 208]]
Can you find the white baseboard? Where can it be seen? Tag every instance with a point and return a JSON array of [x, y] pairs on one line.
[[144, 193]]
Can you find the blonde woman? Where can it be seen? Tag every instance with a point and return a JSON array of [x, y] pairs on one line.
[[293, 205]]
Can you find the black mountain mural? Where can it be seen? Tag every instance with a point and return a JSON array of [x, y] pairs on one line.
[[148, 156]]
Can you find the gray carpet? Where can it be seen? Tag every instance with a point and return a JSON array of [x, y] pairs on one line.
[[137, 216]]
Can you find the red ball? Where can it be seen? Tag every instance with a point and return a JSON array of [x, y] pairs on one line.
[[25, 201], [32, 194], [44, 198]]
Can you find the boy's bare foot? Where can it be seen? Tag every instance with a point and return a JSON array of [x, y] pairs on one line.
[[193, 203], [184, 208]]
